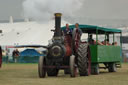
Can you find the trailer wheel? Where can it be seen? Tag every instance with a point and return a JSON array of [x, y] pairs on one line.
[[67, 71], [73, 69], [51, 71], [112, 67], [41, 69], [95, 69], [83, 61]]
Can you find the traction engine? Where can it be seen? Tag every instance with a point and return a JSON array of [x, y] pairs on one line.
[[65, 52]]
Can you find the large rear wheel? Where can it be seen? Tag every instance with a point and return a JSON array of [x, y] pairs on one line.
[[73, 69], [83, 61], [41, 67]]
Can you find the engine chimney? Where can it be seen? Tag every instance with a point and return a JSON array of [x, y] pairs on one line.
[[58, 31]]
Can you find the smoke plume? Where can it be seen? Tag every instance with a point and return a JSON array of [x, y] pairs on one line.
[[43, 10]]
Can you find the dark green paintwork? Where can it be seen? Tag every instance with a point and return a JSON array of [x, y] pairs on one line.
[[102, 53]]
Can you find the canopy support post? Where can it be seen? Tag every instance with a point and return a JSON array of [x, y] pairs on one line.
[[121, 54], [113, 37], [88, 37], [105, 38], [121, 39], [96, 36]]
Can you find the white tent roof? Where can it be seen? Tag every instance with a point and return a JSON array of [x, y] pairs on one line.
[[26, 33]]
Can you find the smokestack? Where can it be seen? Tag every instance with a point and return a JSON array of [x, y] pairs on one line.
[[11, 19], [26, 20], [58, 30]]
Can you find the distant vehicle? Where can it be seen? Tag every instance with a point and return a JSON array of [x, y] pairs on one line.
[[0, 53], [0, 57]]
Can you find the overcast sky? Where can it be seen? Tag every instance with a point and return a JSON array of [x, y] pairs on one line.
[[99, 9], [10, 8], [106, 9]]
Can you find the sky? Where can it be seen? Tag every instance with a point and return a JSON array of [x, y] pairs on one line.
[[10, 8], [94, 9], [106, 9]]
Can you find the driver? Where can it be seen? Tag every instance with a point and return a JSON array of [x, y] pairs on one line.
[[67, 31]]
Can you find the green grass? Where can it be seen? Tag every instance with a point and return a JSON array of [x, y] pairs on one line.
[[27, 74]]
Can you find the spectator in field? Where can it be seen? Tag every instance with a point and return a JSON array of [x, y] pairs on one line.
[[15, 55], [7, 54]]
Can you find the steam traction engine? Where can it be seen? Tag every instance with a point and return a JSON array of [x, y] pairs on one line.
[[66, 52]]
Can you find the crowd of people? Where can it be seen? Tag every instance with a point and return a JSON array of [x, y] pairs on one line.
[[105, 42], [10, 55]]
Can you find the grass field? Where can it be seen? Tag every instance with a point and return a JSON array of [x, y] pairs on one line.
[[27, 74]]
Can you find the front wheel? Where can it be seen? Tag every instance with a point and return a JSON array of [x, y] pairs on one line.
[[51, 71], [95, 69], [72, 66], [41, 67]]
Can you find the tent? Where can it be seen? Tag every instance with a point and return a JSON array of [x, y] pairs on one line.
[[29, 56]]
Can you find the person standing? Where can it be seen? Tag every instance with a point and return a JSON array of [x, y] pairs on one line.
[[68, 35], [67, 31], [7, 54], [15, 55], [77, 32], [76, 36], [78, 29]]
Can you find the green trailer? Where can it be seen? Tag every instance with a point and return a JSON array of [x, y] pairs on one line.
[[109, 55]]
